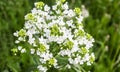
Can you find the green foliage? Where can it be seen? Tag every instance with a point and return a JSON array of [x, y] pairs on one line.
[[103, 24], [11, 18]]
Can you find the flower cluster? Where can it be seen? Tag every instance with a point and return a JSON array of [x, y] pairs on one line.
[[56, 35]]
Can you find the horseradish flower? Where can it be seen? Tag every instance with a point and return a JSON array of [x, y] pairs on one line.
[[42, 68], [56, 36]]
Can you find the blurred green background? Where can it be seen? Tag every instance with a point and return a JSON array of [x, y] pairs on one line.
[[103, 24]]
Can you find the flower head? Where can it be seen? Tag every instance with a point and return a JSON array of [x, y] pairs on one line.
[[53, 34], [39, 5], [77, 10]]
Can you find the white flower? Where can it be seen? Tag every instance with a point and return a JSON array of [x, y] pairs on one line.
[[21, 39], [42, 68], [32, 51], [65, 6], [71, 13], [38, 52], [76, 60], [17, 41], [86, 57], [46, 8], [85, 13], [81, 62], [65, 52], [80, 19], [46, 56], [54, 7], [88, 63], [70, 23], [58, 3], [19, 47], [75, 48], [88, 44], [71, 61], [28, 25], [55, 63], [16, 34], [31, 40], [34, 11], [23, 50], [42, 40]]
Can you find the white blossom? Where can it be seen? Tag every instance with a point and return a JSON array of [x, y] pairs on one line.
[[16, 34], [17, 41], [32, 51], [23, 50], [65, 6], [54, 7], [42, 68], [46, 8], [19, 47]]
